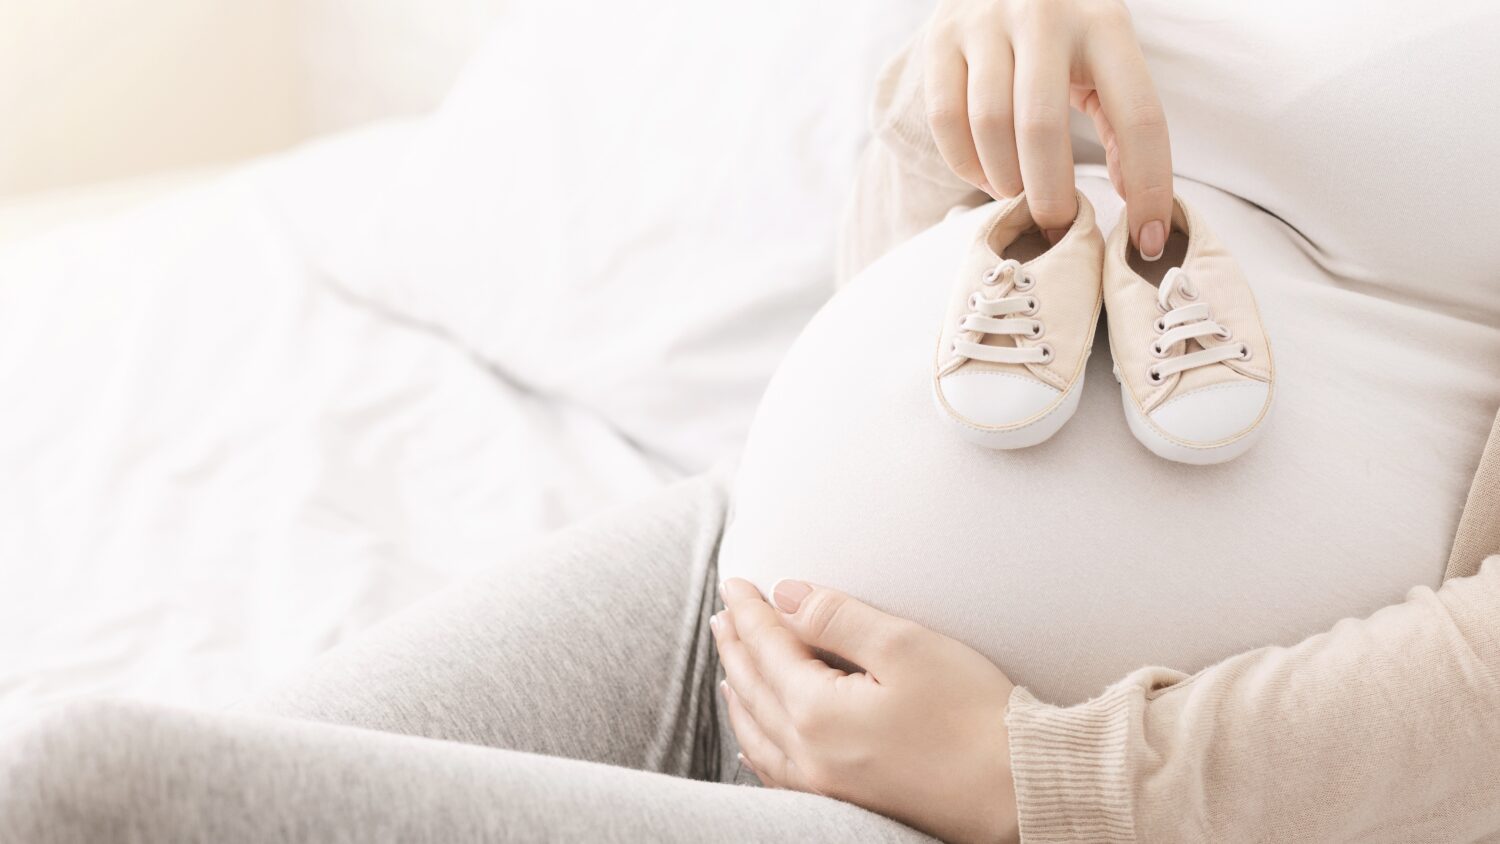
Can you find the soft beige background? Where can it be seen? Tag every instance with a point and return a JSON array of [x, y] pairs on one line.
[[107, 90]]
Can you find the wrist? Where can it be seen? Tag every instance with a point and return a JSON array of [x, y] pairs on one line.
[[994, 800], [1069, 765], [1005, 826]]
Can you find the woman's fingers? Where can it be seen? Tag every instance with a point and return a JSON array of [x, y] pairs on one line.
[[766, 760], [827, 619], [1133, 112], [756, 748], [1089, 104], [946, 92], [788, 665], [998, 92], [991, 117], [1041, 117], [744, 677], [765, 779]]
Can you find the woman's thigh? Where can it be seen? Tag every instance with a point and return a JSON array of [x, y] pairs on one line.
[[132, 772], [593, 645]]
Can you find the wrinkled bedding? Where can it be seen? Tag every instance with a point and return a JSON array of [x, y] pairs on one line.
[[214, 466]]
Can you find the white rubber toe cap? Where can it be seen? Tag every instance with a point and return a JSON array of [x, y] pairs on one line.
[[1002, 410], [1213, 414], [996, 399], [1207, 426]]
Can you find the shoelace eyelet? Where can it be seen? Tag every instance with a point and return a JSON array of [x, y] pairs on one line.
[[1153, 375], [990, 276], [1046, 353], [1157, 351], [1033, 305], [1244, 352], [1038, 330], [1161, 327], [1025, 282], [1226, 334]]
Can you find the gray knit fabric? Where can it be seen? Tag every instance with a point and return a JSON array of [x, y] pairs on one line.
[[567, 695]]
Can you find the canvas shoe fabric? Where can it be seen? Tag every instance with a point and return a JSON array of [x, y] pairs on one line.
[[1190, 352], [1019, 327]]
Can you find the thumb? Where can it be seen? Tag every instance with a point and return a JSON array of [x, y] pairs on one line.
[[829, 620]]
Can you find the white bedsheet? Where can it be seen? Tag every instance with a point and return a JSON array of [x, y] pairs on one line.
[[213, 467]]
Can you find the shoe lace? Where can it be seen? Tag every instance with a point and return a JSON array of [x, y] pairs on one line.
[[1187, 319], [1005, 315]]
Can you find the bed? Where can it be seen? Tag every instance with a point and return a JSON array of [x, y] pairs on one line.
[[251, 411], [215, 465]]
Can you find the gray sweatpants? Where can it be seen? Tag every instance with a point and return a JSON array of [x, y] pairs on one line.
[[568, 695]]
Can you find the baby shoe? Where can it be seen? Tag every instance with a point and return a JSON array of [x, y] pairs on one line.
[[1019, 328], [1190, 353]]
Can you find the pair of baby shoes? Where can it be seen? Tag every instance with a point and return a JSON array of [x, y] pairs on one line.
[[1190, 353]]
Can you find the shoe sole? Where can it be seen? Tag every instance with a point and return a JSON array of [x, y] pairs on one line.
[[1034, 432], [1169, 449]]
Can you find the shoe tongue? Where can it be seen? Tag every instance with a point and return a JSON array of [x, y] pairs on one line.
[[1014, 236], [1001, 341], [1173, 257]]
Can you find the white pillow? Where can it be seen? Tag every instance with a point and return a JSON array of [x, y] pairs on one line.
[[632, 205], [372, 59]]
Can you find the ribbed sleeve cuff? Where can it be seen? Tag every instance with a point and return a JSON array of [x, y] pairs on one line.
[[898, 114], [1072, 779]]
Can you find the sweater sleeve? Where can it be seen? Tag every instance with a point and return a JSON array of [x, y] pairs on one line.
[[1383, 728], [902, 185]]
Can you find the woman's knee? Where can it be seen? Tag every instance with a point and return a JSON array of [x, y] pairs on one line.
[[66, 774]]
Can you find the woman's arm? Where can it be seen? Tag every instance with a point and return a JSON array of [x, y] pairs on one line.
[[1383, 728], [902, 186], [890, 203]]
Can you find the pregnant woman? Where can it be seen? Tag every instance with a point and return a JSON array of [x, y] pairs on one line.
[[1077, 641]]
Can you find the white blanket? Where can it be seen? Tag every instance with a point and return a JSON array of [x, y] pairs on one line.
[[212, 466], [243, 424]]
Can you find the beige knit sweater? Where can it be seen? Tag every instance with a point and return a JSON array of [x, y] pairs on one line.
[[1385, 728]]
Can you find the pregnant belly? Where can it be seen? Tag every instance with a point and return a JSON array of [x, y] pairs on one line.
[[1074, 562]]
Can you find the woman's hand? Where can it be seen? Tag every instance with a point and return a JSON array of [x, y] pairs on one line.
[[919, 736], [1000, 78]]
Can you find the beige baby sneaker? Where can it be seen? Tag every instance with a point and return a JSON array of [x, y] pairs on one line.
[[1019, 328], [1189, 349]]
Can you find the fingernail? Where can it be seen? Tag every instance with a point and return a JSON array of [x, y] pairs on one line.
[[1054, 235], [713, 623], [1153, 240], [788, 594], [724, 688], [723, 597]]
